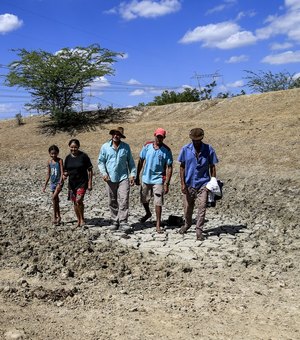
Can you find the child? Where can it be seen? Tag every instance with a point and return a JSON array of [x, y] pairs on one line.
[[55, 175]]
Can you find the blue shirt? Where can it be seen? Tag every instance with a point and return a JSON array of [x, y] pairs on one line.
[[156, 161], [116, 163], [54, 172], [197, 170]]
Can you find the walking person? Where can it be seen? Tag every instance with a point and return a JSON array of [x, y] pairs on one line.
[[197, 165], [79, 169], [157, 160], [55, 175], [118, 171]]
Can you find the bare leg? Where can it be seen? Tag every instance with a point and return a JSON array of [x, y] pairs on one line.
[[76, 209], [80, 209], [56, 210], [158, 210], [54, 204]]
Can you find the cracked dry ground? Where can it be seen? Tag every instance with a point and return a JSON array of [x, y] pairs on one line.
[[242, 282]]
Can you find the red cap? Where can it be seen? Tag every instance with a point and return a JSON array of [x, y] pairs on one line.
[[160, 132]]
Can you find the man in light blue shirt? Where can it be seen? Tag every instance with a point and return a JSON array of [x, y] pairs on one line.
[[118, 170], [197, 166], [157, 160]]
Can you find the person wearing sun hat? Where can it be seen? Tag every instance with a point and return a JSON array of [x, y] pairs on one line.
[[117, 167], [197, 165], [156, 160]]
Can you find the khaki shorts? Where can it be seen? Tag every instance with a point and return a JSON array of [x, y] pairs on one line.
[[152, 190]]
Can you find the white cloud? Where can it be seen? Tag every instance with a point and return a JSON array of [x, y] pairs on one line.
[[287, 24], [294, 4], [222, 88], [219, 8], [237, 59], [249, 14], [224, 35], [215, 9], [91, 107], [296, 76], [137, 93], [5, 108], [283, 58], [146, 8], [99, 82], [133, 82], [280, 46], [238, 39], [238, 83], [9, 22]]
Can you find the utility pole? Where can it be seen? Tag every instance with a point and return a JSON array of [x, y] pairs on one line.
[[197, 76]]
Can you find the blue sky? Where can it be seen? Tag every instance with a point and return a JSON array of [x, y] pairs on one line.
[[167, 44]]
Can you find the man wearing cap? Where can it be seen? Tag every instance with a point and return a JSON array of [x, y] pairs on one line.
[[118, 170], [157, 160], [197, 166]]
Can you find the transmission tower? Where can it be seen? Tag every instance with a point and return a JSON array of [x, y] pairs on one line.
[[197, 76]]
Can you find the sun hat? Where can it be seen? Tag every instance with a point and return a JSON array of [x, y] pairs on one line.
[[196, 134], [118, 129], [160, 132]]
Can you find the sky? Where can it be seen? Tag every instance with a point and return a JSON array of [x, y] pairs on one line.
[[166, 44]]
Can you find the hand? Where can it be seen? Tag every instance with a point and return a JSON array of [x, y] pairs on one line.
[[106, 178], [131, 181], [183, 188]]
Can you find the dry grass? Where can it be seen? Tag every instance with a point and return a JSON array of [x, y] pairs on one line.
[[257, 132]]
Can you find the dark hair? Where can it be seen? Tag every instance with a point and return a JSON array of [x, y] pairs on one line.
[[75, 141], [53, 148]]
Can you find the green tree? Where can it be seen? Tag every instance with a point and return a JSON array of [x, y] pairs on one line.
[[56, 81], [170, 97], [268, 81], [206, 92]]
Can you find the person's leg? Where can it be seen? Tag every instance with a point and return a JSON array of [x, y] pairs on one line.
[[54, 205], [112, 192], [146, 193], [158, 194], [56, 210], [123, 200], [77, 212], [80, 209], [202, 200], [188, 206]]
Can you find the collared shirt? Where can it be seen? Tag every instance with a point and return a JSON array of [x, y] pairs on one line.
[[118, 163], [197, 169], [156, 161]]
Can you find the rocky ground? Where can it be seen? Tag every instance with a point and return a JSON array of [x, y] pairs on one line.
[[241, 282]]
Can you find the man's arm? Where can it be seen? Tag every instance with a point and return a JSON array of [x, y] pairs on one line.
[[102, 164], [139, 169], [169, 171], [213, 171], [131, 167], [182, 177], [90, 178]]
